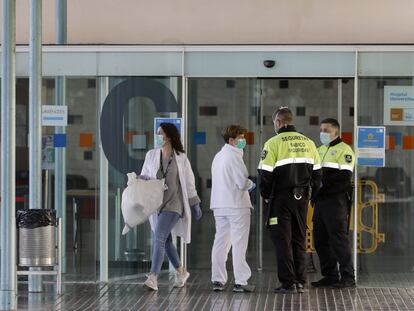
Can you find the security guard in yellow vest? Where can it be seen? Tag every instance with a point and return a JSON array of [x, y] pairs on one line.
[[289, 171], [332, 209]]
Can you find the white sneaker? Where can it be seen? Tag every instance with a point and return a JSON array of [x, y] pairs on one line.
[[151, 282], [181, 278]]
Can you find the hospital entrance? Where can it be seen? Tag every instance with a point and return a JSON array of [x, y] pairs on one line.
[[214, 103]]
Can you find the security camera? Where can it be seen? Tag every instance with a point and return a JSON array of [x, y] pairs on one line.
[[269, 63]]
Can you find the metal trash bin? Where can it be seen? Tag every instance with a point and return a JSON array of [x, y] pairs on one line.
[[37, 231]]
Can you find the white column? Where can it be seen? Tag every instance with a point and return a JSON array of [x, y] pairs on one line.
[[8, 283], [35, 115]]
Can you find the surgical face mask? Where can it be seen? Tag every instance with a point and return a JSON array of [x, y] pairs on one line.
[[325, 138], [159, 141], [241, 143]]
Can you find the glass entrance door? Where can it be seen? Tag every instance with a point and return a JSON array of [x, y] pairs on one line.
[[216, 102], [386, 222], [311, 101], [127, 127]]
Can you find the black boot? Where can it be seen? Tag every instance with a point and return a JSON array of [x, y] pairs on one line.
[[286, 289], [345, 283], [325, 282]]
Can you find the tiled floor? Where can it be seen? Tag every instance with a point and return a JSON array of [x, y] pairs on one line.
[[377, 289], [197, 295]]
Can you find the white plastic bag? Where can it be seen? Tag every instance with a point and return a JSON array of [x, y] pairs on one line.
[[140, 199]]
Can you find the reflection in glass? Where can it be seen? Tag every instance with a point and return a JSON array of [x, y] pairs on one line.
[[389, 193]]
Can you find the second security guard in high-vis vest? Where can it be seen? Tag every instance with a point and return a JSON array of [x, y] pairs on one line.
[[289, 172], [332, 209]]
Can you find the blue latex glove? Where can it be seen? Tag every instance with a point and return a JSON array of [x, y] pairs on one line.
[[144, 177], [197, 211], [252, 187]]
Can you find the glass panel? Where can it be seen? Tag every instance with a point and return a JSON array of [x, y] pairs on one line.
[[213, 104], [311, 101], [386, 203], [81, 175], [82, 178], [132, 105], [241, 101], [22, 147], [348, 111], [81, 166]]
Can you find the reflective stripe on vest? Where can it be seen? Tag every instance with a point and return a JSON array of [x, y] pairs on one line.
[[272, 221], [339, 156], [336, 166], [265, 167], [290, 161]]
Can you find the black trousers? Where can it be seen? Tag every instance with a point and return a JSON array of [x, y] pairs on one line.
[[288, 237], [331, 238]]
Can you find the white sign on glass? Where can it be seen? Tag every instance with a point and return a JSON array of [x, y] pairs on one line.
[[54, 115], [398, 105]]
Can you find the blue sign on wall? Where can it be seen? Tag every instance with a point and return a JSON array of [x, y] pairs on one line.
[[59, 140], [371, 146], [176, 121], [200, 138]]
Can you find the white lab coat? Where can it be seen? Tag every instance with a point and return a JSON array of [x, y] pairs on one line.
[[186, 176], [229, 181], [231, 204]]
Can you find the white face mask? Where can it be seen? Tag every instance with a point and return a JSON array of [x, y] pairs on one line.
[[325, 138]]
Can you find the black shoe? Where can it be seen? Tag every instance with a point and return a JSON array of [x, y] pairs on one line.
[[285, 289], [344, 283], [218, 287], [243, 288], [300, 288], [325, 282]]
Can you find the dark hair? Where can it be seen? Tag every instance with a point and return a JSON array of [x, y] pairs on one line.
[[332, 122], [232, 131], [174, 135], [284, 114]]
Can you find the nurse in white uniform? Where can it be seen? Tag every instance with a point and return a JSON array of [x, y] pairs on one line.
[[231, 206]]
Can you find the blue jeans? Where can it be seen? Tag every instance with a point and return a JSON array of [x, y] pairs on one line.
[[163, 242]]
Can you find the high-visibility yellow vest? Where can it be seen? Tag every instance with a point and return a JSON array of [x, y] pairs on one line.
[[339, 156]]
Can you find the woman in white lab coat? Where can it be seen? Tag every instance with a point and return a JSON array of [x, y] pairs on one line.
[[169, 161], [230, 202]]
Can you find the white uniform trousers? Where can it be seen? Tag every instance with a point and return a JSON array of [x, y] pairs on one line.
[[231, 232]]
